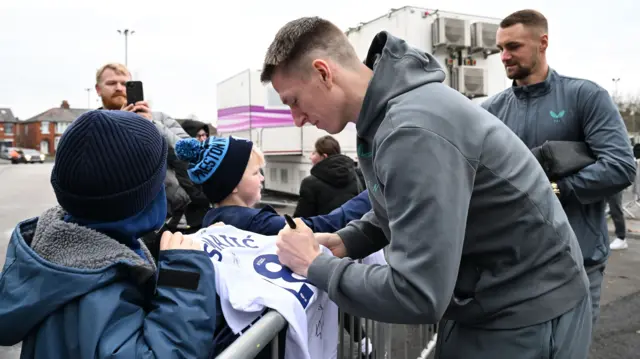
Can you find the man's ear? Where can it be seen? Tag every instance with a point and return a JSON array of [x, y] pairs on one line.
[[322, 69], [544, 43]]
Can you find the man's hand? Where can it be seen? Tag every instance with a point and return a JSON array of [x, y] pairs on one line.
[[333, 242], [297, 248], [176, 240], [140, 107]]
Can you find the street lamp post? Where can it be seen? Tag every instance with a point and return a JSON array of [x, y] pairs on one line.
[[126, 33], [88, 97], [615, 86]]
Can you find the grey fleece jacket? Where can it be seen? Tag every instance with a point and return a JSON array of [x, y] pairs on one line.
[[170, 129], [474, 230], [568, 109]]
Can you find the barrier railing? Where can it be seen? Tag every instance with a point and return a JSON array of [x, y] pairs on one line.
[[631, 202], [374, 340]]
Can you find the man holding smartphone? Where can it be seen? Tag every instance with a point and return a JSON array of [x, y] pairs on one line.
[[111, 86], [112, 81]]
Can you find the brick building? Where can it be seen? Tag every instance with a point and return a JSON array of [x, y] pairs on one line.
[[42, 132], [7, 128]]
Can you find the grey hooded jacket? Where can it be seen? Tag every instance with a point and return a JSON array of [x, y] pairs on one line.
[[475, 233]]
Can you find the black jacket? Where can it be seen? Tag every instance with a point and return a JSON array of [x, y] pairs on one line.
[[193, 126], [333, 181]]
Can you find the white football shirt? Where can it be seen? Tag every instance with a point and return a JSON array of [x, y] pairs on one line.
[[249, 278]]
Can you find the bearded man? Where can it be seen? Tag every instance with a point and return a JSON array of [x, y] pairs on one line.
[[543, 105]]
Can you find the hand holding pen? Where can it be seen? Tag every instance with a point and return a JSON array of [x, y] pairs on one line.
[[297, 247]]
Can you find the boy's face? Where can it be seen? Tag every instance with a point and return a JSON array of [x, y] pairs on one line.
[[250, 186]]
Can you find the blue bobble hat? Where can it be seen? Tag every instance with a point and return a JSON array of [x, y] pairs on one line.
[[110, 165], [217, 164]]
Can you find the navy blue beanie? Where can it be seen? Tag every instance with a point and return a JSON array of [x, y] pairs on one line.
[[217, 163], [109, 165]]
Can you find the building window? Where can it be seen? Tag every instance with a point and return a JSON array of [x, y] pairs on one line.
[[44, 127], [55, 143], [8, 128], [44, 147], [284, 176], [273, 174], [61, 127]]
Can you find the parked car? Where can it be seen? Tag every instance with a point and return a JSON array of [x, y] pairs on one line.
[[26, 155], [5, 152]]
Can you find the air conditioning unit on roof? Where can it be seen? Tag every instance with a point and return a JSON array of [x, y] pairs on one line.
[[483, 37], [450, 33], [471, 81]]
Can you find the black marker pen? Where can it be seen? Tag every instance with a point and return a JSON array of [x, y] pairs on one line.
[[290, 221]]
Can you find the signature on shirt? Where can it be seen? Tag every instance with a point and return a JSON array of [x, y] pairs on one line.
[[320, 322]]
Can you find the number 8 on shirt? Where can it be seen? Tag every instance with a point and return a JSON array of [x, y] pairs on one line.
[[268, 266]]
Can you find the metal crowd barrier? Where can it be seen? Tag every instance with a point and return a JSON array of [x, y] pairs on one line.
[[380, 340], [385, 341], [633, 195]]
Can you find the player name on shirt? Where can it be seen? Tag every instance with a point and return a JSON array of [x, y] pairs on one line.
[[249, 278]]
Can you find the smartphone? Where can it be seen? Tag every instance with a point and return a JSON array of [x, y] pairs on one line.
[[134, 92]]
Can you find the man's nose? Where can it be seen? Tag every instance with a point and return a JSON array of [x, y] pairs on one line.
[[299, 119], [505, 56]]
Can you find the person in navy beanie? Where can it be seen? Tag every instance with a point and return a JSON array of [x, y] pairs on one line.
[[113, 183], [79, 283]]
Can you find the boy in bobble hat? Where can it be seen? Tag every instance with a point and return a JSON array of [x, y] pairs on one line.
[[77, 281], [228, 169]]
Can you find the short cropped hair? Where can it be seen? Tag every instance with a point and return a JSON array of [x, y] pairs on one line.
[[528, 18], [327, 145], [118, 68], [299, 38]]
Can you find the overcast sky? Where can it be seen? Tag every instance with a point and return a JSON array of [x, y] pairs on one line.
[[50, 50]]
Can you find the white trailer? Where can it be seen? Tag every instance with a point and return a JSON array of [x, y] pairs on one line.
[[464, 44]]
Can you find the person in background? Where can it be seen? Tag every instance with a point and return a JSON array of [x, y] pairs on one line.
[[544, 105], [234, 188], [77, 281], [198, 130], [111, 87], [617, 215], [333, 180]]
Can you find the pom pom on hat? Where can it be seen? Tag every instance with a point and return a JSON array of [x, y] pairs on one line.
[[189, 150]]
